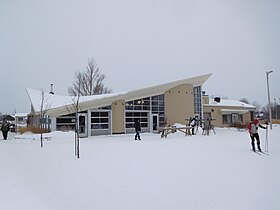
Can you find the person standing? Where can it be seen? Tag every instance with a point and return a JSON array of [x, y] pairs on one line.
[[193, 124], [253, 130], [137, 130], [5, 129]]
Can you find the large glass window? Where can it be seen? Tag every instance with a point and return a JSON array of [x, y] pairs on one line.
[[139, 104], [99, 120], [197, 101], [227, 119], [66, 122], [232, 118], [154, 104], [131, 117], [158, 108]]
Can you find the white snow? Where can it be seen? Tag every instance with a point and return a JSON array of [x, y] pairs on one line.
[[115, 172], [229, 102]]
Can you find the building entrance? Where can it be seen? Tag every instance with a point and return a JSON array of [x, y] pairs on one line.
[[83, 125], [155, 122]]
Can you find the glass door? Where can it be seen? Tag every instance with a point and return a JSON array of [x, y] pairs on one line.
[[83, 125], [155, 122]]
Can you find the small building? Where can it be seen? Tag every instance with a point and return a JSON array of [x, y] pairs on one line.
[[20, 120], [115, 113], [226, 113]]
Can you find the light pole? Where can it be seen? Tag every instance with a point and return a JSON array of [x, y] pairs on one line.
[[275, 108], [268, 95]]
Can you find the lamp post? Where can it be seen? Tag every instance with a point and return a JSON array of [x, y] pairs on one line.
[[275, 108], [268, 95]]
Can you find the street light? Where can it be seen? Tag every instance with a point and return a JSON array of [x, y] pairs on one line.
[[268, 95]]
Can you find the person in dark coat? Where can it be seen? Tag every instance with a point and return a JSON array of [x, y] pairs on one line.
[[137, 130], [5, 129], [253, 130]]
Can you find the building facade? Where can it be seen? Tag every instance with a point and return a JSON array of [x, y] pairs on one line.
[[115, 113], [226, 113]]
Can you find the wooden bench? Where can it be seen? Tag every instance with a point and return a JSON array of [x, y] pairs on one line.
[[187, 130]]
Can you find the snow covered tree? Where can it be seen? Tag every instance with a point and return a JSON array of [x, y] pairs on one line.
[[89, 82]]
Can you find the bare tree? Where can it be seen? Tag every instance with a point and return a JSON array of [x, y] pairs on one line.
[[44, 106], [245, 100], [75, 107], [89, 82], [257, 105]]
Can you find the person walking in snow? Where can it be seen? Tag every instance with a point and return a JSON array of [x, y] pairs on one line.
[[253, 130], [5, 129], [137, 130]]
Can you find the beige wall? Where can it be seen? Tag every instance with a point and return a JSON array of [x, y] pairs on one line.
[[215, 114], [205, 99], [247, 117], [179, 104], [118, 110]]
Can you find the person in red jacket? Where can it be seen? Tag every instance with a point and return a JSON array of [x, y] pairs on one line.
[[253, 130]]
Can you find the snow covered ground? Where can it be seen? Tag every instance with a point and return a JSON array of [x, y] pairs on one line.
[[115, 172]]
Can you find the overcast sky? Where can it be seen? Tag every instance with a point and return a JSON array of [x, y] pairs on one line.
[[139, 43]]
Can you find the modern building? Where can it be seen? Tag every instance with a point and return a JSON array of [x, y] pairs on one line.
[[115, 113], [226, 113]]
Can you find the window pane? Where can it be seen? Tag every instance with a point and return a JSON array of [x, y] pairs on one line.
[[144, 114], [94, 120], [137, 107], [154, 103], [144, 125], [104, 126], [155, 98], [104, 120], [137, 114], [95, 114], [155, 109], [128, 114], [129, 120], [129, 125], [161, 97]]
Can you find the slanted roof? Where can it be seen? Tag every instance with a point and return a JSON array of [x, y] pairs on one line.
[[57, 105]]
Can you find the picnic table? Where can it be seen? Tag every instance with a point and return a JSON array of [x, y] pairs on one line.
[[187, 130]]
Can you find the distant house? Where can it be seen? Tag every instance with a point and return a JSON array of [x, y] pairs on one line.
[[115, 113], [20, 119], [227, 112]]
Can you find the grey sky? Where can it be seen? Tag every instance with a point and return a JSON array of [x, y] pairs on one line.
[[139, 43]]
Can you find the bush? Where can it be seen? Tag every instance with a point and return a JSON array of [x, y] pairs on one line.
[[32, 129], [276, 121]]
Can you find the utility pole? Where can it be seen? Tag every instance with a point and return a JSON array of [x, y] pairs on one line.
[[268, 95]]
